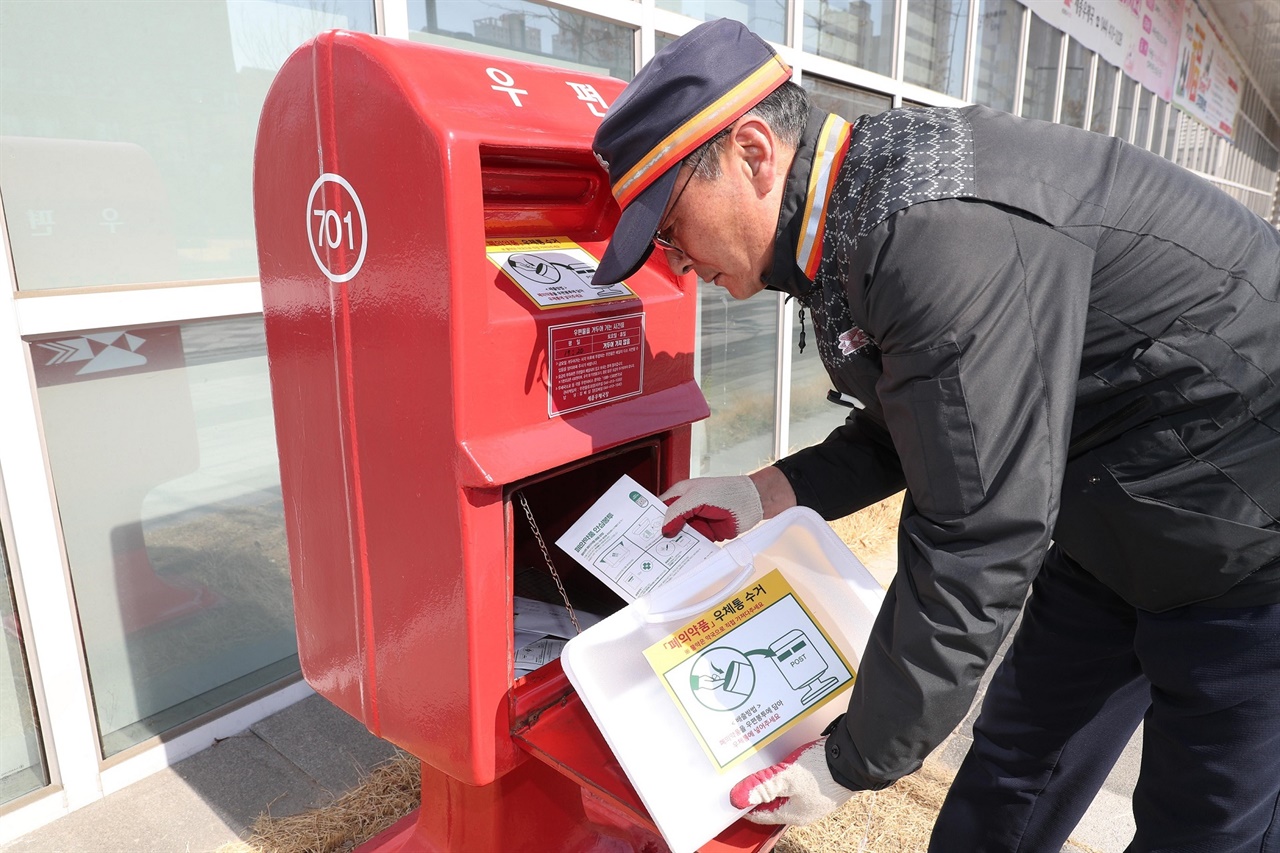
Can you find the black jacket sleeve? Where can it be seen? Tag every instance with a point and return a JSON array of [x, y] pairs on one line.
[[979, 312], [854, 467]]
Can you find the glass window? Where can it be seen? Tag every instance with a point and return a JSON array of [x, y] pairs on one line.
[[162, 449], [859, 32], [937, 31], [1044, 47], [1124, 109], [22, 768], [737, 359], [999, 34], [1143, 118], [812, 415], [524, 29], [127, 132], [765, 18], [845, 101], [1104, 97], [1075, 83]]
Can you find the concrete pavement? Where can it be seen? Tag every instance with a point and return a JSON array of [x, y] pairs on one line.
[[299, 758]]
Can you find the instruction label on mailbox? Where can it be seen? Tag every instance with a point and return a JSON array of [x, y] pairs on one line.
[[594, 362], [749, 669], [553, 272]]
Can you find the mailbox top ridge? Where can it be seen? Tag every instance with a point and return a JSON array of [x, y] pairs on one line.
[[490, 97]]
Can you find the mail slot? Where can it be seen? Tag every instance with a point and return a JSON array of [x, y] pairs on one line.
[[450, 394]]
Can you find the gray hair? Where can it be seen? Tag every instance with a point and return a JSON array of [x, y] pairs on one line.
[[785, 109]]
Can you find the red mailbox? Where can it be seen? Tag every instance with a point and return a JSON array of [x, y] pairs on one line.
[[427, 222]]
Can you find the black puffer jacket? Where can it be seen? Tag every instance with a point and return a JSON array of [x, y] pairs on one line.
[[1056, 335]]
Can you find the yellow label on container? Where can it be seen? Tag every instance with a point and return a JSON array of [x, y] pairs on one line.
[[749, 669]]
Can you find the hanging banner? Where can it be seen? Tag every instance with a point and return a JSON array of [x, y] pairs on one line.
[[1152, 50], [1169, 46], [1103, 26], [1138, 36], [1207, 83]]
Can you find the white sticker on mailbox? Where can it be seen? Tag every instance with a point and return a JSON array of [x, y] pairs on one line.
[[553, 272]]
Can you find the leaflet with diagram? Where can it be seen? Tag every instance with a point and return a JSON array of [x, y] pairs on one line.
[[620, 541]]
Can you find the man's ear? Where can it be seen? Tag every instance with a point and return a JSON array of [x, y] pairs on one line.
[[756, 144]]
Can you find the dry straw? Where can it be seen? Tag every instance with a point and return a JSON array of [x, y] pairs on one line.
[[897, 819], [387, 794]]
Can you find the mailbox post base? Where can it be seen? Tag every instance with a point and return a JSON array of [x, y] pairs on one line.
[[532, 809]]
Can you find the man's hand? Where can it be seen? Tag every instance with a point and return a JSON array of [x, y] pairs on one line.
[[798, 789], [717, 507]]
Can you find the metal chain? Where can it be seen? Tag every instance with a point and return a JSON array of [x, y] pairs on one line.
[[546, 555]]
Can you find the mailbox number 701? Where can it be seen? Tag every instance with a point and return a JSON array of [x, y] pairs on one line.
[[329, 229]]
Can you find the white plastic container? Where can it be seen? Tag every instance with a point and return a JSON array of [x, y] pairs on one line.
[[727, 670]]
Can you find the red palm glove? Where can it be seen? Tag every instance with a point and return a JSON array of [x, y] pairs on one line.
[[717, 507], [798, 789]]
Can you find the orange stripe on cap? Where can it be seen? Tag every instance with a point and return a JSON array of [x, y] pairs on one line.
[[697, 130]]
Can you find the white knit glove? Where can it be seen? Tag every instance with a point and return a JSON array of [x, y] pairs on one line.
[[717, 507], [798, 789]]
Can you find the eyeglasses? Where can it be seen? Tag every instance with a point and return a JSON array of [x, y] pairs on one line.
[[662, 242]]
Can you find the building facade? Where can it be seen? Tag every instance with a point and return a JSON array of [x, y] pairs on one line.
[[146, 609]]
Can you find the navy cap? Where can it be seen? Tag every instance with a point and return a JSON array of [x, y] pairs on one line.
[[691, 90]]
